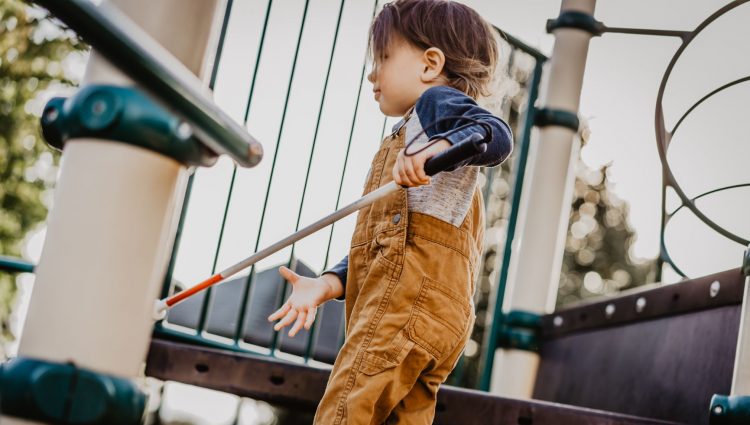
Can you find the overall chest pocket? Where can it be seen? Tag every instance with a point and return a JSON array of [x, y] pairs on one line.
[[374, 176]]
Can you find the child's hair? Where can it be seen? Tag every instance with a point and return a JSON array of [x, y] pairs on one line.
[[466, 40]]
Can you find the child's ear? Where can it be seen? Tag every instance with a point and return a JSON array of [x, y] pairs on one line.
[[432, 67]]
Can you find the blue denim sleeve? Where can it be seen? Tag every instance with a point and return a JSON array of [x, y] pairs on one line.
[[438, 103], [340, 270]]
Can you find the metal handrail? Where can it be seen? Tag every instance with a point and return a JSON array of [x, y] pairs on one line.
[[140, 57]]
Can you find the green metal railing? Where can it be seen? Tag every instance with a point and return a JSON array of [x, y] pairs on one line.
[[200, 328], [198, 335]]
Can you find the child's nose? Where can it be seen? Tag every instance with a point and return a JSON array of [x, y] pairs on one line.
[[371, 75]]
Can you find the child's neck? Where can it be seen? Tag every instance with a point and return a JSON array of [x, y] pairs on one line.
[[424, 89]]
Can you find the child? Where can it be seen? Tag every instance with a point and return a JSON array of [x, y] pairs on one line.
[[408, 280]]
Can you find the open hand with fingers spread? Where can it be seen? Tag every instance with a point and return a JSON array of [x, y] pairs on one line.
[[307, 295]]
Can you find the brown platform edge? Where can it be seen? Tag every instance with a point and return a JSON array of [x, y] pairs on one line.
[[667, 300], [299, 386]]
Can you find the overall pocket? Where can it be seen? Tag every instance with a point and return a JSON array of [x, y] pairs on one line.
[[376, 362], [389, 343], [439, 318]]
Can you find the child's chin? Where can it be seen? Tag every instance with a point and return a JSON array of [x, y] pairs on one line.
[[390, 112]]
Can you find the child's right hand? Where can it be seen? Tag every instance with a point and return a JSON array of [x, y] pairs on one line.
[[307, 295]]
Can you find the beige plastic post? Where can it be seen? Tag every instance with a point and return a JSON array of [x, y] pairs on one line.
[[113, 221], [545, 205]]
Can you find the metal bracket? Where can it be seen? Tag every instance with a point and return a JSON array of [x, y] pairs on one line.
[[519, 330], [574, 19], [122, 114], [66, 394], [548, 116], [730, 410], [586, 22]]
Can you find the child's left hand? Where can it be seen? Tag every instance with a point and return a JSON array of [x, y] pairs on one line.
[[409, 170]]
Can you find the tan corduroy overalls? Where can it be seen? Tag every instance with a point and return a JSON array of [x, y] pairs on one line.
[[409, 309]]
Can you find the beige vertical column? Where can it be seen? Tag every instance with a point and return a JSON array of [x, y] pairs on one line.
[[113, 221], [545, 204]]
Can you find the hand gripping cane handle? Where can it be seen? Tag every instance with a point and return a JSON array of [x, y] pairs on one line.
[[472, 145]]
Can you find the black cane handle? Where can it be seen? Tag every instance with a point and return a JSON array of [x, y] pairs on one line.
[[472, 145]]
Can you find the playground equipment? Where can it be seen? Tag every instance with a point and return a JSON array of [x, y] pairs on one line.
[[674, 345]]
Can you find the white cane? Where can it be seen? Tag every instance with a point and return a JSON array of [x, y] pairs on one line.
[[465, 149]]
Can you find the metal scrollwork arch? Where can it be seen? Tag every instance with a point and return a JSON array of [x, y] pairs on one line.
[[663, 139]]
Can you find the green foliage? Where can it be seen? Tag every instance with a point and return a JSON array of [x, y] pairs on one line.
[[33, 51]]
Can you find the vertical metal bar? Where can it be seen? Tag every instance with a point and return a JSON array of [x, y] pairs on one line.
[[211, 84], [220, 47], [383, 130], [349, 144], [251, 275], [214, 72], [261, 44], [274, 342], [342, 336], [490, 336], [205, 307], [170, 268], [311, 336]]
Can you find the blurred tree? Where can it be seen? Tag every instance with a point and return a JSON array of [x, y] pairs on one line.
[[597, 258], [34, 51]]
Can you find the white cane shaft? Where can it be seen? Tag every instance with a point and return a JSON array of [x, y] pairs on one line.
[[357, 205]]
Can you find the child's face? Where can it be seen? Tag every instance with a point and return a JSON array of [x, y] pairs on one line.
[[397, 78]]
